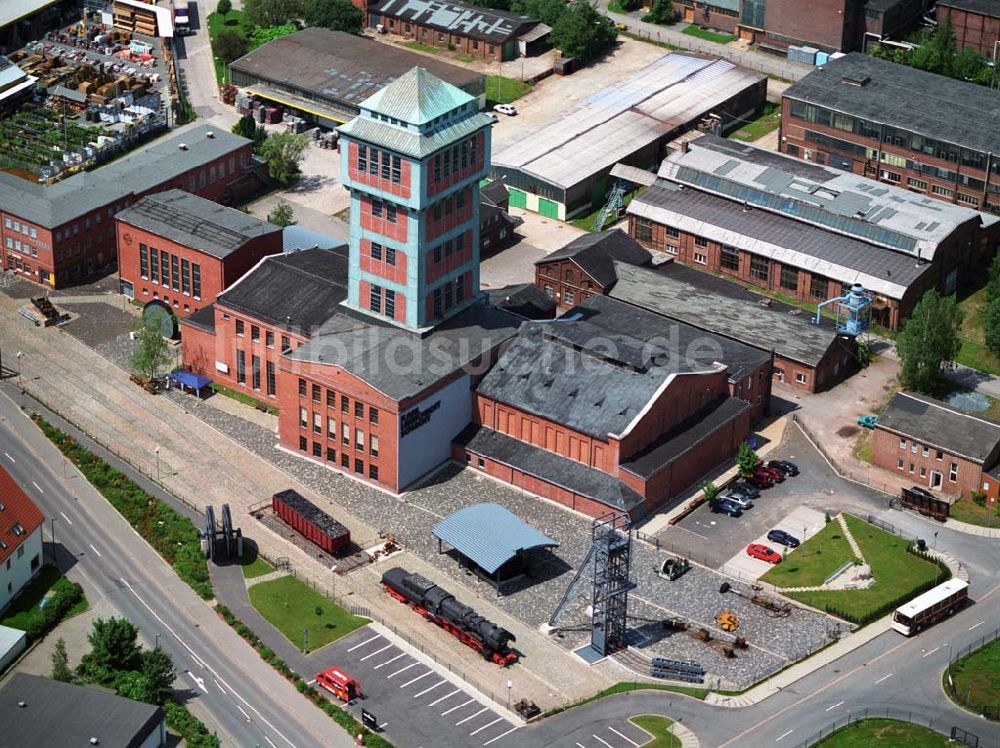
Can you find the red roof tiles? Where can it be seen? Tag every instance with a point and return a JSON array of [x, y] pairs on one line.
[[18, 511]]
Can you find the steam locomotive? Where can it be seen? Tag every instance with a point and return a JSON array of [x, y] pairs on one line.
[[440, 606]]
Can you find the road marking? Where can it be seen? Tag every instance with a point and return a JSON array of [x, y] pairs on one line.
[[975, 626], [448, 696], [624, 737], [485, 726], [244, 711], [220, 686], [199, 681], [419, 677], [830, 709], [311, 682], [928, 654], [457, 707], [10, 458], [403, 669], [376, 652], [68, 520], [783, 736], [603, 741], [503, 734], [471, 716], [696, 534], [271, 743], [417, 695], [884, 677], [37, 486], [401, 654], [366, 641], [94, 549]]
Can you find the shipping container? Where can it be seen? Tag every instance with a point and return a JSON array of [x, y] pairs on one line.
[[808, 55], [310, 521]]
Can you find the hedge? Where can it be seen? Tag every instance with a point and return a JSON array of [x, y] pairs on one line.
[[340, 716], [189, 727], [47, 617], [170, 533]]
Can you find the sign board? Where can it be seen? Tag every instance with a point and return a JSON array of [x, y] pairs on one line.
[[368, 720]]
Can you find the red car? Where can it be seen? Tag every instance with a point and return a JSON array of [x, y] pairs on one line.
[[762, 552], [776, 475], [762, 478]]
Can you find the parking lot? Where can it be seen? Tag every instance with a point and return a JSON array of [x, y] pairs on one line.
[[802, 523], [417, 704]]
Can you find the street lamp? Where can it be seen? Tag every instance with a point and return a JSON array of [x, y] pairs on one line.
[[157, 644], [305, 641], [157, 450], [333, 575], [509, 685], [935, 540], [19, 355], [53, 523]]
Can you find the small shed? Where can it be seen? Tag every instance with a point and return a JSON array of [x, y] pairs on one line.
[[491, 540]]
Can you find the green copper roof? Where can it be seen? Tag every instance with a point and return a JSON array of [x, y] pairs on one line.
[[407, 142], [416, 97]]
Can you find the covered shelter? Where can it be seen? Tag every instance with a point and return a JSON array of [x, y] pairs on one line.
[[188, 380], [491, 540]]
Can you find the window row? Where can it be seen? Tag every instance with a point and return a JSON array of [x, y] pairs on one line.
[[321, 424], [382, 253], [449, 205], [448, 295], [170, 271], [446, 250], [331, 457], [924, 450], [241, 373], [382, 301], [381, 163], [384, 209], [316, 391], [18, 247], [241, 328], [24, 228], [455, 159], [952, 473]]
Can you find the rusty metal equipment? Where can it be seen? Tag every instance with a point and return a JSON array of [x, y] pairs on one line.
[[727, 621], [775, 608], [673, 569]]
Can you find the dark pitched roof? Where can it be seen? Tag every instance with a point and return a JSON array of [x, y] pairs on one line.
[[300, 289], [990, 8], [712, 304], [686, 435], [204, 318], [494, 26], [63, 714], [525, 300], [596, 253], [400, 363], [18, 511], [599, 365], [196, 222], [552, 468], [950, 110], [941, 425], [494, 191]]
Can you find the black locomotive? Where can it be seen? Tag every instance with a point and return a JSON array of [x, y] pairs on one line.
[[440, 606]]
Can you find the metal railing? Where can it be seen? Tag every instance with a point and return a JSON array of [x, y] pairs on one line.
[[913, 718], [963, 696]]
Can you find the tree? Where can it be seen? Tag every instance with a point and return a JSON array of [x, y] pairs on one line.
[[928, 339], [60, 663], [661, 12], [582, 32], [247, 127], [710, 491], [546, 11], [264, 34], [158, 673], [230, 45], [339, 15], [114, 650], [283, 152], [282, 215], [746, 460], [152, 353], [271, 12], [991, 323], [223, 7]]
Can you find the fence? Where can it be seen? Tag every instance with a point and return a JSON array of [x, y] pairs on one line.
[[913, 718], [966, 700]]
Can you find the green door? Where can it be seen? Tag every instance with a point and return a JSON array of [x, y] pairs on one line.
[[548, 208], [518, 199]]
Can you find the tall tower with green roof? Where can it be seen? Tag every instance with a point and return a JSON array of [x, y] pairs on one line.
[[412, 161]]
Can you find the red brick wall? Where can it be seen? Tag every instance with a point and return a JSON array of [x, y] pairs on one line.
[[449, 264], [449, 220], [443, 39], [887, 451], [705, 15], [402, 189], [558, 277], [972, 30], [435, 186], [828, 24], [396, 231], [395, 273]]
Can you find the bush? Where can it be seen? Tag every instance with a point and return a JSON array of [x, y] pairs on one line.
[[189, 727], [979, 497], [65, 595], [223, 7]]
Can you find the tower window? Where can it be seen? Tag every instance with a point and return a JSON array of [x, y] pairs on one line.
[[375, 300]]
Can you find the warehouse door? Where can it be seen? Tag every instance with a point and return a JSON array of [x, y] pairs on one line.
[[548, 208], [517, 198]]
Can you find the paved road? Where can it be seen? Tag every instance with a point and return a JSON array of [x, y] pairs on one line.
[[248, 702]]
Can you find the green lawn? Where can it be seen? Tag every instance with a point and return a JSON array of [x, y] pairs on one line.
[[503, 90], [48, 580], [898, 575], [464, 57], [659, 728], [587, 222], [233, 21], [254, 566], [973, 351], [977, 679], [769, 119], [616, 7], [884, 733], [712, 36], [423, 47], [966, 510], [812, 562], [292, 607], [244, 398]]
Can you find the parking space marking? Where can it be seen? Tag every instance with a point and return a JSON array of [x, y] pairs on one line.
[[783, 736], [624, 737], [471, 716], [366, 641], [928, 654], [448, 696], [403, 669], [977, 625], [376, 652], [419, 677], [418, 695], [457, 707], [603, 741], [382, 665], [696, 534], [504, 734], [884, 677], [488, 724], [831, 708]]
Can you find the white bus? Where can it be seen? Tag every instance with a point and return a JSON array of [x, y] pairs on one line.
[[182, 22], [930, 607]]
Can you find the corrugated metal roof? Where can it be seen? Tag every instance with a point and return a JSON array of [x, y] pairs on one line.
[[490, 535], [12, 10], [410, 142], [417, 97], [494, 26]]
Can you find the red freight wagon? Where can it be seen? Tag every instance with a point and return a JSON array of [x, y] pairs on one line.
[[310, 521]]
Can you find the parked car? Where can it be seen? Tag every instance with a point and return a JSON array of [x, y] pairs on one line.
[[783, 538], [762, 552], [724, 506], [743, 502], [786, 467], [777, 476], [761, 478], [868, 422], [493, 118], [509, 109], [747, 489]]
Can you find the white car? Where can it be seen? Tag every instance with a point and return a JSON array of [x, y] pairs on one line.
[[493, 118], [509, 109]]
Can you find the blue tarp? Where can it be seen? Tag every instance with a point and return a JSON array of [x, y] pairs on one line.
[[189, 379], [489, 535]]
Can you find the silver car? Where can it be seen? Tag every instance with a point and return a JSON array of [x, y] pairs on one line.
[[739, 499]]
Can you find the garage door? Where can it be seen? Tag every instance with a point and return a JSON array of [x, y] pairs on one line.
[[548, 208], [518, 199]]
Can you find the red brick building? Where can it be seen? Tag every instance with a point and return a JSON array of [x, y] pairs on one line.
[[612, 408], [976, 23], [183, 250], [938, 446], [721, 15], [61, 233]]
